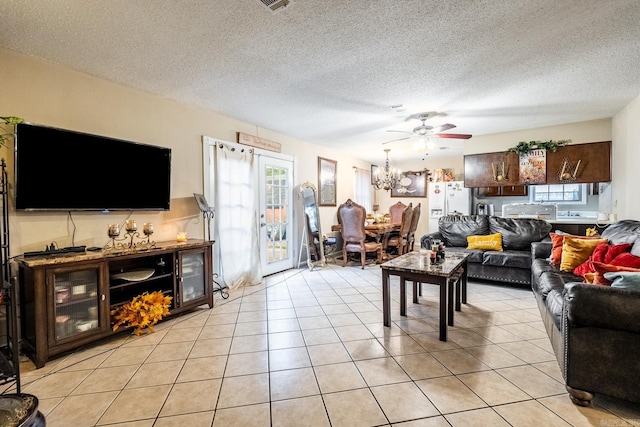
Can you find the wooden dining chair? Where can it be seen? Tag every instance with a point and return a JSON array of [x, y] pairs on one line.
[[395, 212], [399, 240], [415, 217], [354, 236]]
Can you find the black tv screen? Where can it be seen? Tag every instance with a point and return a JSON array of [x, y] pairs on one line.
[[64, 170]]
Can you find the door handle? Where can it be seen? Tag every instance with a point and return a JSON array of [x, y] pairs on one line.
[[262, 224]]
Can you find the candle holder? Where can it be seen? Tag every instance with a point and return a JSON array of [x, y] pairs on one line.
[[127, 242]]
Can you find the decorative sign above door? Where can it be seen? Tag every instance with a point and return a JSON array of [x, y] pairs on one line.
[[256, 141]]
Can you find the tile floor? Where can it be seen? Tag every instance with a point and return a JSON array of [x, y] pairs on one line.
[[309, 348]]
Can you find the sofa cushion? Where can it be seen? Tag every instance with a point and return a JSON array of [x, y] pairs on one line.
[[575, 251], [475, 255], [597, 278], [604, 252], [625, 231], [489, 242], [456, 228], [624, 279], [519, 233], [513, 259]]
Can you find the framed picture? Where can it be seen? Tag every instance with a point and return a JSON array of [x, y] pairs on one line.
[[374, 171], [327, 181], [412, 184]]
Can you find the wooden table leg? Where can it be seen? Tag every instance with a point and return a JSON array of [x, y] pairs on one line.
[[463, 279], [458, 292], [403, 296], [417, 290], [450, 301], [386, 300], [443, 308]]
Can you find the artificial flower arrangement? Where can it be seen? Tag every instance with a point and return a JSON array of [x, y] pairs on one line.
[[524, 147], [144, 311]]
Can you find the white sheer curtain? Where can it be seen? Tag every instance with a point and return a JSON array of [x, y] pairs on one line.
[[237, 224], [362, 187]]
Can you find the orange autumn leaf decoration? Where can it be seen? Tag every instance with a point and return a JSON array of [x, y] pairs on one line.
[[144, 311]]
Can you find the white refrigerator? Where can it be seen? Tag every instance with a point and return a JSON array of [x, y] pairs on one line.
[[447, 198]]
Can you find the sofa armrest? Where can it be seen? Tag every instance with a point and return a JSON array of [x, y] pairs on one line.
[[602, 307], [541, 249], [425, 241]]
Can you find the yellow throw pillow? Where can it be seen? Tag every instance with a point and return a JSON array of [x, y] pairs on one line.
[[487, 242], [575, 251]]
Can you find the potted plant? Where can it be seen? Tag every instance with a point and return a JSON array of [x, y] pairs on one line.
[[8, 120]]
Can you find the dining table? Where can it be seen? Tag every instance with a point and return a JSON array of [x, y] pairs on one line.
[[379, 231]]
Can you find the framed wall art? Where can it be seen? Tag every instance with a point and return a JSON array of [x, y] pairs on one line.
[[411, 184], [327, 170]]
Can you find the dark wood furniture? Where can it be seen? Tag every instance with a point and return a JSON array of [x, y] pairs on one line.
[[501, 169], [66, 301], [595, 163], [491, 169], [400, 239], [413, 266], [508, 190], [354, 235]]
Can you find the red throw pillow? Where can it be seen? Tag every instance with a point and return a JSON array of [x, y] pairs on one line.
[[626, 259], [604, 253], [614, 250], [597, 278]]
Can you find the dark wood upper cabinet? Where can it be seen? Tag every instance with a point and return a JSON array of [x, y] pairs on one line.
[[491, 169], [580, 163]]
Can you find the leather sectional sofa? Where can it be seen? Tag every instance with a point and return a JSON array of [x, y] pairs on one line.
[[594, 329], [512, 264]]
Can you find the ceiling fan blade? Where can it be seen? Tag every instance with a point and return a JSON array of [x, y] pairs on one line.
[[442, 128], [402, 131], [394, 140], [452, 135]]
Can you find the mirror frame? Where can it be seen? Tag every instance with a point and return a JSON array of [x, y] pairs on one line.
[[327, 171], [305, 233]]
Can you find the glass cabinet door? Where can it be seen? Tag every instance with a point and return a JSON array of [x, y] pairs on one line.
[[192, 276], [76, 302]]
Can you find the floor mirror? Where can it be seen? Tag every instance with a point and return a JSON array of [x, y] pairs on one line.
[[311, 233]]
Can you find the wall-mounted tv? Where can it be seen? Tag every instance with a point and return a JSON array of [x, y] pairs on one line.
[[63, 170]]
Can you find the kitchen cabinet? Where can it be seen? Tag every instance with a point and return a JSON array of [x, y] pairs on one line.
[[594, 163], [507, 190], [491, 169], [66, 302]]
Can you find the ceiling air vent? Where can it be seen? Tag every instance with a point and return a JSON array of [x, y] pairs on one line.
[[276, 6]]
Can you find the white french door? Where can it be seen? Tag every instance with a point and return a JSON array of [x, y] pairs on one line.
[[273, 177], [276, 214]]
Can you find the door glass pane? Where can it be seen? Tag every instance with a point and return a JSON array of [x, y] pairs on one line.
[[193, 280], [76, 308], [276, 191]]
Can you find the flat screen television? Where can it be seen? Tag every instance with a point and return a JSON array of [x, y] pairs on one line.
[[63, 170]]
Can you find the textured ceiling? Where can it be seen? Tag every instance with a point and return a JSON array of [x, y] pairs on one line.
[[328, 71]]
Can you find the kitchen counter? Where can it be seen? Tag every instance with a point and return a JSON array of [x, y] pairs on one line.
[[592, 221]]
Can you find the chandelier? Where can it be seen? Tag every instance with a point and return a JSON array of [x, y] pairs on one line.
[[387, 178]]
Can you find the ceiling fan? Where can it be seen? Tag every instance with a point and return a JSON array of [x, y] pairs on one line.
[[425, 130]]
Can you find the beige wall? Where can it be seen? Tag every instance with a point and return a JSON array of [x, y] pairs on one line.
[[626, 158], [45, 93]]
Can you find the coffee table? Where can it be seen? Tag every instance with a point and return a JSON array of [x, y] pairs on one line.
[[414, 266]]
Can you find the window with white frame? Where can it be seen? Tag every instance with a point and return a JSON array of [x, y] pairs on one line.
[[362, 187], [574, 194]]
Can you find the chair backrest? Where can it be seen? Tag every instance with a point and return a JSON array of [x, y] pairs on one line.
[[405, 225], [414, 219], [352, 217], [395, 211]]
